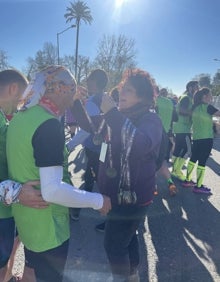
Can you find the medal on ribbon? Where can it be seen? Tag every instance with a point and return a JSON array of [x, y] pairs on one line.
[[97, 138], [110, 171]]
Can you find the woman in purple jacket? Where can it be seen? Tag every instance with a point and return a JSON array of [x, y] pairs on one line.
[[127, 168]]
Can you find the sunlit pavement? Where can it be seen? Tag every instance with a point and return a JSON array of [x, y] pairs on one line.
[[179, 239]]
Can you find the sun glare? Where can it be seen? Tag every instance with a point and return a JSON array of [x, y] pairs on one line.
[[119, 3], [124, 11]]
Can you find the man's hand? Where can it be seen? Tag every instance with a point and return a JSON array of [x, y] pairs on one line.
[[31, 197], [106, 205]]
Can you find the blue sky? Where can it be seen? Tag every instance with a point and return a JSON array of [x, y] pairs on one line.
[[175, 39]]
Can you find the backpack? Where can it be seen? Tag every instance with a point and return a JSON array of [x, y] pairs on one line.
[[161, 156], [162, 150]]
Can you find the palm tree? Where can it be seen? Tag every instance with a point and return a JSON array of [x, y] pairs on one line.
[[78, 11]]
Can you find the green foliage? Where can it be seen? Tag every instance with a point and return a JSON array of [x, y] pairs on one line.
[[78, 11]]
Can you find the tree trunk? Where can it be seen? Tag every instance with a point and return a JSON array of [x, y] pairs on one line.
[[77, 43]]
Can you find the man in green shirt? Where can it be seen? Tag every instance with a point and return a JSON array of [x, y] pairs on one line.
[[166, 110], [12, 85], [37, 134]]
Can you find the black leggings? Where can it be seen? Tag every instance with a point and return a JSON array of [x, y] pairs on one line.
[[49, 265], [121, 241], [182, 144], [201, 150]]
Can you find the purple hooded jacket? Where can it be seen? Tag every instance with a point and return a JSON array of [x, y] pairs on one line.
[[145, 147]]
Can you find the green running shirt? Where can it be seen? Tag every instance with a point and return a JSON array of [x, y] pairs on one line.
[[202, 123], [184, 123], [39, 229]]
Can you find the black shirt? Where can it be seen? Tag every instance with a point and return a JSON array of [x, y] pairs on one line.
[[48, 143]]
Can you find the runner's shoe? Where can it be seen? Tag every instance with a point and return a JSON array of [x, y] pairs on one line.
[[172, 189], [206, 187], [202, 190], [187, 183]]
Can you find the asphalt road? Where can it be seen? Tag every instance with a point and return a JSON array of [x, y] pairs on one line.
[[180, 238]]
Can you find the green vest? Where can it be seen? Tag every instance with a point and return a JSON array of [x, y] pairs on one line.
[[165, 111], [5, 212], [184, 123], [202, 123], [39, 229]]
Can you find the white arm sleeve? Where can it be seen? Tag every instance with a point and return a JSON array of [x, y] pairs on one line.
[[54, 190]]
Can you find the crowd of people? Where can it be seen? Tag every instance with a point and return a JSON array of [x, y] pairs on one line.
[[122, 133]]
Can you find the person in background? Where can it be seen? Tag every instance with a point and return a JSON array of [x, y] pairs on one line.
[[114, 93], [12, 86], [202, 125], [37, 134], [182, 130], [127, 168], [70, 122], [96, 84], [166, 111]]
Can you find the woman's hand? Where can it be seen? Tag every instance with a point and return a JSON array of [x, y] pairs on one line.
[[107, 103]]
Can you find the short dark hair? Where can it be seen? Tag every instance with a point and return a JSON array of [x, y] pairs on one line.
[[100, 77], [163, 92], [191, 83], [12, 75], [198, 96]]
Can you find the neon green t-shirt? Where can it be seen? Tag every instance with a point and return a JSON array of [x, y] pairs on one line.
[[202, 123], [39, 229], [165, 111], [184, 123]]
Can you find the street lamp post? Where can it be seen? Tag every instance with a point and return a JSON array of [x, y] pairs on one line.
[[58, 45]]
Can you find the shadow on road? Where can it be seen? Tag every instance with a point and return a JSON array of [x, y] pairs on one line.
[[214, 162], [184, 232], [216, 143]]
